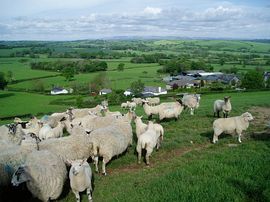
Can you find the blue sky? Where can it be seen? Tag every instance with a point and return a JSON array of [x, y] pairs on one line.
[[91, 19]]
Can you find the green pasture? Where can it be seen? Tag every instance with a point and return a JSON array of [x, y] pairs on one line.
[[187, 167]]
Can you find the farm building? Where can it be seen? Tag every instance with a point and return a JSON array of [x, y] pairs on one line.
[[58, 91], [222, 78], [149, 91], [105, 91]]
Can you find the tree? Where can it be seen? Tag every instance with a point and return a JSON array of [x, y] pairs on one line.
[[38, 86], [221, 61], [9, 76], [3, 81], [253, 80], [99, 81], [121, 67], [137, 87], [68, 73]]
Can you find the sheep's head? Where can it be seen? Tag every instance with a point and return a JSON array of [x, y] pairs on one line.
[[77, 166], [227, 98], [20, 176], [12, 128], [247, 116]]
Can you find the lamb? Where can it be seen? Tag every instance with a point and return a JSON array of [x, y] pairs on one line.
[[140, 126], [231, 125], [13, 157], [138, 101], [172, 110], [223, 105], [110, 141], [191, 101], [105, 103], [153, 101], [44, 174], [75, 146], [46, 132], [80, 176], [148, 141]]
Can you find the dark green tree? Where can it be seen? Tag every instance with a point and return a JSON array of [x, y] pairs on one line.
[[3, 81], [9, 76], [137, 87], [120, 67], [253, 80], [68, 73]]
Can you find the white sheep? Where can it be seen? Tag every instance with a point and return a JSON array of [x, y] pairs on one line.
[[131, 105], [153, 101], [77, 113], [115, 114], [138, 101], [222, 105], [140, 126], [72, 147], [11, 133], [44, 174], [110, 141], [191, 101], [46, 132], [150, 110], [148, 141], [170, 110], [231, 125], [13, 156], [80, 175], [124, 105]]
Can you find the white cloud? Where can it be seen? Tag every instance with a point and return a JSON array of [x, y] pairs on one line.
[[152, 11]]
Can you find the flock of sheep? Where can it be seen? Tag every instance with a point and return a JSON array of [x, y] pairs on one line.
[[36, 152]]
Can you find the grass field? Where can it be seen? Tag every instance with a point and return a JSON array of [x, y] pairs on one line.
[[187, 167]]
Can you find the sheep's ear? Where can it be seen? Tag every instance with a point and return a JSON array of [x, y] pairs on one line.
[[84, 160], [140, 117], [69, 162]]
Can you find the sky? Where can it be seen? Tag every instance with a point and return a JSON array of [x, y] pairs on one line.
[[99, 19]]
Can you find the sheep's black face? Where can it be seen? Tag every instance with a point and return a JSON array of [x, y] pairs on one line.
[[19, 176]]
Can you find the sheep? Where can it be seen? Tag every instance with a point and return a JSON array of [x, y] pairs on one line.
[[80, 175], [11, 133], [140, 126], [223, 105], [13, 157], [77, 113], [138, 101], [124, 105], [104, 103], [150, 110], [153, 101], [113, 114], [131, 105], [44, 173], [46, 132], [148, 141], [19, 121], [191, 101], [170, 111], [110, 141], [231, 125], [75, 146]]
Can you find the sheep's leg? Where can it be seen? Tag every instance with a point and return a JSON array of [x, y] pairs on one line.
[[148, 153], [88, 191], [218, 114], [139, 156], [191, 111], [96, 163], [77, 195], [239, 138], [104, 162]]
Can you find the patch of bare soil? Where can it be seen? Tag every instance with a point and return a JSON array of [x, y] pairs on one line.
[[261, 122], [161, 157]]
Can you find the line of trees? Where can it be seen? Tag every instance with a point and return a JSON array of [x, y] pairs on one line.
[[82, 66], [151, 58]]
